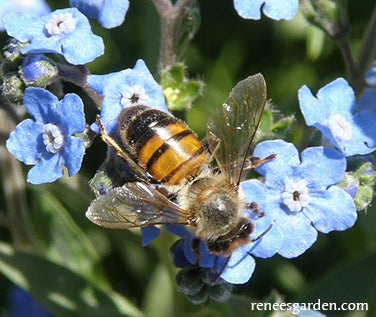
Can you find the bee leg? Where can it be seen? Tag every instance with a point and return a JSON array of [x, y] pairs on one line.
[[211, 144], [222, 270], [196, 249], [139, 173], [262, 234], [255, 207], [255, 161]]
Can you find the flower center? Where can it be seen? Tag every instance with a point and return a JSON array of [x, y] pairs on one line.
[[295, 196], [61, 24], [339, 127], [53, 138], [134, 95]]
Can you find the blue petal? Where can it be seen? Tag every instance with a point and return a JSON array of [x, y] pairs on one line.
[[109, 13], [254, 191], [24, 143], [275, 9], [72, 155], [239, 271], [298, 233], [47, 170], [78, 47], [277, 169], [149, 234], [371, 76], [364, 133], [322, 167], [113, 13], [271, 241], [335, 98], [367, 100], [112, 87], [71, 113], [333, 209], [278, 10], [249, 9], [40, 103], [33, 8]]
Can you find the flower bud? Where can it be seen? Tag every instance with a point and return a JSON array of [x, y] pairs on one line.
[[38, 70]]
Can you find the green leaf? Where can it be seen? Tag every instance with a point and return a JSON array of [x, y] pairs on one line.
[[179, 90], [62, 240], [60, 290], [159, 294]]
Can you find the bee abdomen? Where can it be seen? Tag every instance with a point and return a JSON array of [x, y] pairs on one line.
[[161, 144]]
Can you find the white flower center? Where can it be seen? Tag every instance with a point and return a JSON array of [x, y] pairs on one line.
[[61, 24], [295, 196], [53, 138], [134, 95], [341, 129]]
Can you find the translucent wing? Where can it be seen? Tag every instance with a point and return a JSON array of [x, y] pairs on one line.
[[135, 205], [235, 125]]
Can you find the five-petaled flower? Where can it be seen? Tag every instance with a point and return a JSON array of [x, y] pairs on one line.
[[334, 113], [65, 32], [125, 88], [49, 142], [302, 196], [238, 269], [277, 10], [109, 14]]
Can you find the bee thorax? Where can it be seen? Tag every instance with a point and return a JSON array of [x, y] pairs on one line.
[[215, 208]]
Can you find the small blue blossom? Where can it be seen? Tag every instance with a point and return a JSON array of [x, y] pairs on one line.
[[21, 304], [34, 8], [302, 197], [333, 113], [109, 14], [126, 88], [274, 9], [240, 267], [38, 70], [47, 142], [65, 32]]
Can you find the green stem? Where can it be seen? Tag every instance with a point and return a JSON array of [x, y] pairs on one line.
[[18, 218], [368, 49], [170, 18]]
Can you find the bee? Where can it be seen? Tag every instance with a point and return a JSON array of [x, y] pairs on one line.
[[161, 149]]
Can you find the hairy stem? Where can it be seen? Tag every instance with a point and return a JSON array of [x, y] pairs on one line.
[[368, 49], [170, 16]]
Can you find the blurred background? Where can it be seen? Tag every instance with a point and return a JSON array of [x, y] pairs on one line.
[[340, 267]]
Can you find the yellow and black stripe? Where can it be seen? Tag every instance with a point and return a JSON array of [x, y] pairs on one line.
[[161, 144]]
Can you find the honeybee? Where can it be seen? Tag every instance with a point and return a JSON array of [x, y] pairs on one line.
[[161, 149]]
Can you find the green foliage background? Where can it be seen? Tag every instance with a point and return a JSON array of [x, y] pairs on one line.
[[77, 269]]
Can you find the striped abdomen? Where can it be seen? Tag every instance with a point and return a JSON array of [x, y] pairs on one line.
[[161, 144]]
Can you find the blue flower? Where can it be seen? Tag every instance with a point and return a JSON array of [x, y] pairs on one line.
[[110, 14], [22, 304], [333, 113], [65, 32], [34, 8], [123, 89], [277, 10], [240, 267], [47, 142], [302, 196]]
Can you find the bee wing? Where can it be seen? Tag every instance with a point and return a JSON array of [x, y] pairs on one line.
[[135, 205], [235, 125]]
